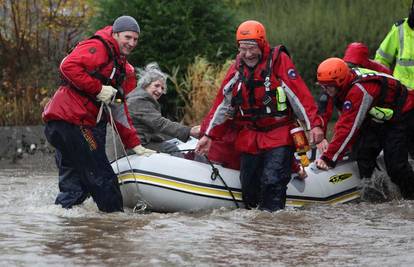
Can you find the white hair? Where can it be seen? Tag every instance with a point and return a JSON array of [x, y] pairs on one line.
[[149, 74]]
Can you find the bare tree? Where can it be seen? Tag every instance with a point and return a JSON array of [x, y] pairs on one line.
[[34, 36]]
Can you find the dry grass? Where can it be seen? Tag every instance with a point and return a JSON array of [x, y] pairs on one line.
[[24, 109], [199, 88]]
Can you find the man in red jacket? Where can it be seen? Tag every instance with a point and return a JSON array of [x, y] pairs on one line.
[[260, 97], [377, 107], [356, 55], [93, 75]]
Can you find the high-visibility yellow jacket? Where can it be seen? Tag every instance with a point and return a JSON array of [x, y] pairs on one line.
[[398, 48]]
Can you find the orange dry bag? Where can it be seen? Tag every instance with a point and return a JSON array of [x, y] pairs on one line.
[[301, 144]]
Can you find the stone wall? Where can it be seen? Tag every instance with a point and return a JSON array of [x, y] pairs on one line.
[[24, 145]]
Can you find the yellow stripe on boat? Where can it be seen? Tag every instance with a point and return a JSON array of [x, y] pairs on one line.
[[291, 201], [222, 193], [197, 189]]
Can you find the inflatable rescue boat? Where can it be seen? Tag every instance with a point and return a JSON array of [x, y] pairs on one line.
[[165, 183]]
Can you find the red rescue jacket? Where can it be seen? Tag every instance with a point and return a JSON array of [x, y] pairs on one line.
[[358, 56], [222, 150], [241, 99], [357, 97], [74, 101]]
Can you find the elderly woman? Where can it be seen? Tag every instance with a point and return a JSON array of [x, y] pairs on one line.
[[154, 130]]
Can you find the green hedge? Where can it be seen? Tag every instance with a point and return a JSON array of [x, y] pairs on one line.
[[314, 30], [173, 33]]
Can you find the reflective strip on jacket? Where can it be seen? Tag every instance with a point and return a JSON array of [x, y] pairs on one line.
[[398, 48], [356, 99], [326, 103]]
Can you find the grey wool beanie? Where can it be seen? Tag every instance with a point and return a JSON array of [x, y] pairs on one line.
[[125, 23]]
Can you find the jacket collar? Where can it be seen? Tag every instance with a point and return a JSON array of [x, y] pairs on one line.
[[106, 34]]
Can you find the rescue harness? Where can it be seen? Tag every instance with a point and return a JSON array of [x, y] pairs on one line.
[[384, 110], [115, 79], [274, 101]]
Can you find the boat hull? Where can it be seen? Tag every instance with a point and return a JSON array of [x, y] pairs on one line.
[[165, 183]]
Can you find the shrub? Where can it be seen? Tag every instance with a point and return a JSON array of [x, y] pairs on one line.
[[199, 88], [174, 32], [314, 30]]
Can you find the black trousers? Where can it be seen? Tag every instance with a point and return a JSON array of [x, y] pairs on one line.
[[392, 138], [409, 118], [264, 178], [84, 168]]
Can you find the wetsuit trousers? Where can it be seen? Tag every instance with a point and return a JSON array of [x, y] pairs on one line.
[[392, 138], [83, 166], [409, 117], [264, 178]]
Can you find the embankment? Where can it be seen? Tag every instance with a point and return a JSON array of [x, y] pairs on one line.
[[25, 146]]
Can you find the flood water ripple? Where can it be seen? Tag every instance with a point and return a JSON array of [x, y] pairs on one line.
[[35, 232]]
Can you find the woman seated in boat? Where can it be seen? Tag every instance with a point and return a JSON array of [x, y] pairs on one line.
[[155, 131], [145, 110]]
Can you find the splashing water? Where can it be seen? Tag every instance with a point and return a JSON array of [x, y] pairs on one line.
[[34, 230]]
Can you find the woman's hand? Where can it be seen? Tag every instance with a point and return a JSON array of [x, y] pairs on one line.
[[195, 131]]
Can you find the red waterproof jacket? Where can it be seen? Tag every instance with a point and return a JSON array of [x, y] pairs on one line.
[[74, 101], [358, 55], [222, 150], [255, 134], [357, 97]]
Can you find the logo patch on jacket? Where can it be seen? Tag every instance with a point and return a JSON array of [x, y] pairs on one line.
[[347, 105], [292, 74]]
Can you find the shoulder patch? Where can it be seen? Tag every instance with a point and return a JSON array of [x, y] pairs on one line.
[[347, 105], [398, 23], [92, 50], [292, 74]]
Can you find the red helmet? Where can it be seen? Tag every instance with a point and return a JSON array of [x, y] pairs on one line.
[[251, 30], [333, 72]]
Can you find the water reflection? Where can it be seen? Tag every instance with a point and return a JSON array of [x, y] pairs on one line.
[[33, 231]]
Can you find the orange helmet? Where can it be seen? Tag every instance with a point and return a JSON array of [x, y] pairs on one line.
[[251, 30], [333, 72]]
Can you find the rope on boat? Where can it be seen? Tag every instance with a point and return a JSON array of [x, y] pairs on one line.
[[214, 174], [141, 205]]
